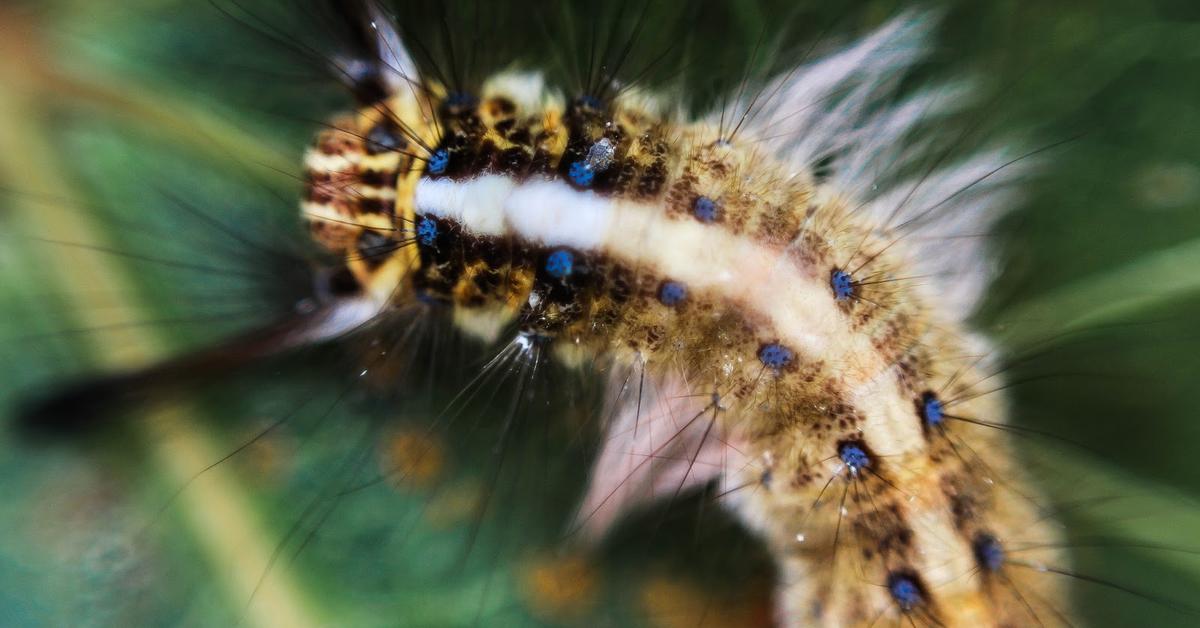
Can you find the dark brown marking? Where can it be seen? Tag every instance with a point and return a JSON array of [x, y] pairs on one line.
[[374, 248]]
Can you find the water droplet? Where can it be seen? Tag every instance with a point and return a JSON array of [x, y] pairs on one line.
[[600, 155]]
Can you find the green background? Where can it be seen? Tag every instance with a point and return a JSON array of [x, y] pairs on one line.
[[144, 109]]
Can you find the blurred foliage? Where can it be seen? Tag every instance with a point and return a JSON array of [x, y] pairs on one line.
[[119, 120]]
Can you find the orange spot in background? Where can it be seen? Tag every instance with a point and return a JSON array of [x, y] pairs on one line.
[[270, 457], [559, 588], [455, 504], [413, 458], [673, 603]]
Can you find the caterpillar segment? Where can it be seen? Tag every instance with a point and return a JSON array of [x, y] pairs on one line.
[[765, 325]]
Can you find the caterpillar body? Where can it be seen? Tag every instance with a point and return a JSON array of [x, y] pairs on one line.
[[769, 311], [774, 294]]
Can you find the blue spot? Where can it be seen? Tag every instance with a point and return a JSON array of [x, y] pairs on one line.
[[560, 264], [427, 231], [854, 456], [775, 355], [591, 102], [672, 293], [705, 209], [429, 298], [988, 552], [842, 284], [581, 174], [905, 591], [438, 161], [460, 99], [933, 411]]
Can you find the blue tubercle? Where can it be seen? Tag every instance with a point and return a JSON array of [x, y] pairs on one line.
[[705, 209], [560, 264], [438, 161], [905, 591], [460, 99], [842, 284], [854, 456], [590, 102], [933, 411], [581, 174], [775, 355], [988, 552], [672, 293], [427, 231], [429, 298]]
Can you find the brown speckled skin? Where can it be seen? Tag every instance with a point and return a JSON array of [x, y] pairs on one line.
[[914, 515]]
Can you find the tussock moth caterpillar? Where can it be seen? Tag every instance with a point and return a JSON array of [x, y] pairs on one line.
[[774, 292]]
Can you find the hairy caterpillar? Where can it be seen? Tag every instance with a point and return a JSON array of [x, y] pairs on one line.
[[622, 166]]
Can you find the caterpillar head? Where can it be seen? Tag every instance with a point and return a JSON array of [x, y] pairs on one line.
[[358, 195], [370, 173], [363, 167], [362, 173]]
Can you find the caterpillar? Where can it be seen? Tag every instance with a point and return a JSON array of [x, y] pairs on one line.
[[614, 233], [776, 294]]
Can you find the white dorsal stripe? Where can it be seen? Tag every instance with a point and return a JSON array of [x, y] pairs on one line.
[[476, 204], [545, 211], [554, 214], [798, 301]]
